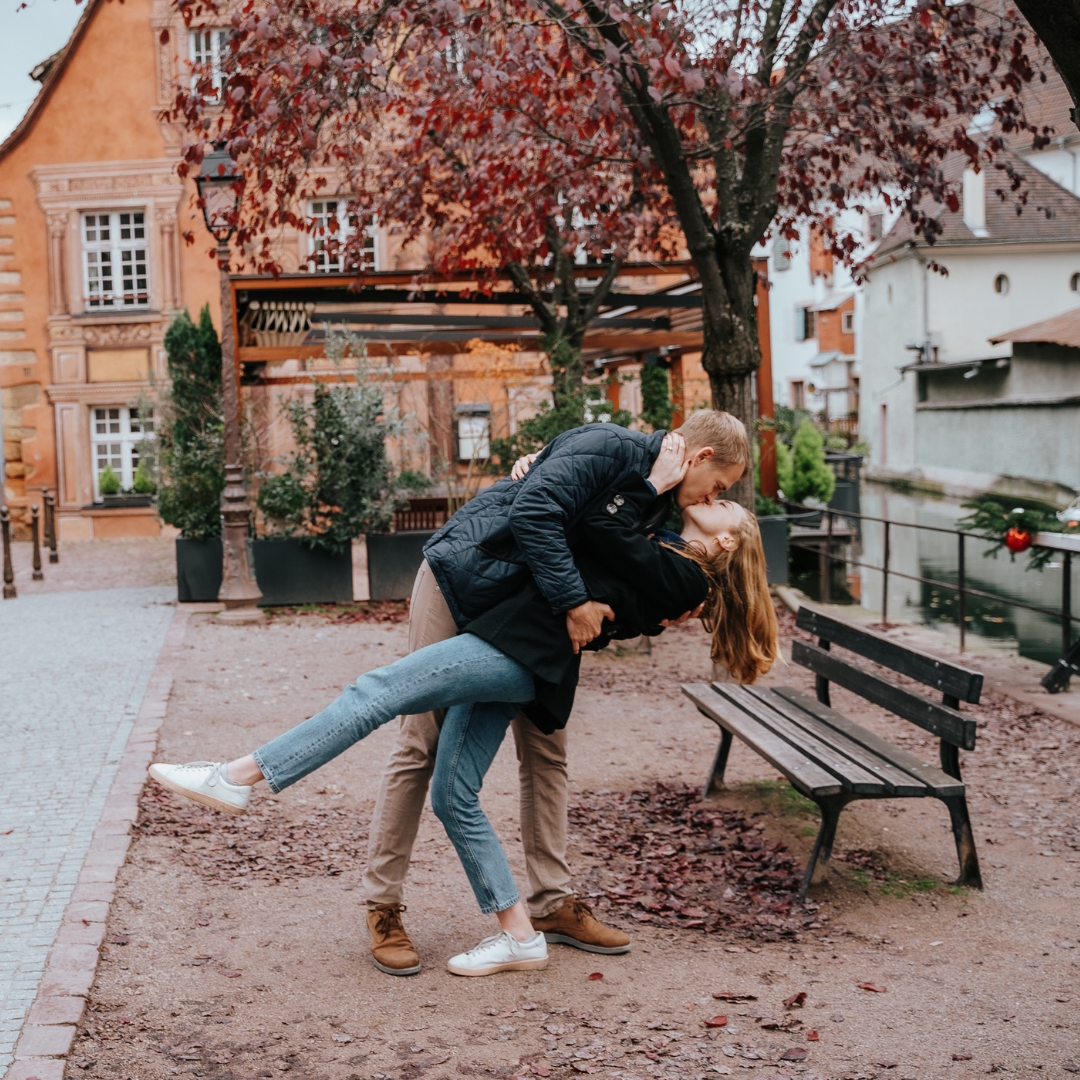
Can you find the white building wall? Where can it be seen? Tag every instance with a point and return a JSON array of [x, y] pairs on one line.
[[966, 311], [892, 316]]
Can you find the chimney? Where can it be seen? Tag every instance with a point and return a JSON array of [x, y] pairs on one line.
[[974, 201]]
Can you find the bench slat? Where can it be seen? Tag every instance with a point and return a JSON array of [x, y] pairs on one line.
[[952, 679], [854, 777], [897, 782], [940, 783], [951, 725], [804, 774]]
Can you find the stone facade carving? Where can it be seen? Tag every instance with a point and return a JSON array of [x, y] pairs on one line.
[[58, 222], [115, 334]]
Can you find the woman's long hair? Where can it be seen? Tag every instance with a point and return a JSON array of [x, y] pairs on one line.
[[739, 612]]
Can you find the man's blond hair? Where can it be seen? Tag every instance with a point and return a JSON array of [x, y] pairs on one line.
[[726, 434]]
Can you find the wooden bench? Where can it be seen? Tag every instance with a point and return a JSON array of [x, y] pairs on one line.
[[833, 760]]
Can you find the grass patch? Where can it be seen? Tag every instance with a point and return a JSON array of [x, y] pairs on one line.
[[788, 800]]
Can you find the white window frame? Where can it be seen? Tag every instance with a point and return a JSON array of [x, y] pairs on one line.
[[115, 434], [323, 211], [473, 424], [209, 45], [847, 322], [115, 258]]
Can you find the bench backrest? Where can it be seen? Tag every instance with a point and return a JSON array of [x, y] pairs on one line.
[[955, 682]]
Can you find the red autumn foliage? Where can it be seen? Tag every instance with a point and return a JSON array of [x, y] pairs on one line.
[[512, 132]]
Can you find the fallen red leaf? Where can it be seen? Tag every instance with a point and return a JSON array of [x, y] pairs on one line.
[[596, 976], [872, 987], [796, 1001], [796, 1053], [230, 974], [961, 1057], [125, 1019], [717, 1021], [812, 1036], [724, 995]]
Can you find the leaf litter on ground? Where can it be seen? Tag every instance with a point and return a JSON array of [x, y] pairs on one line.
[[665, 858], [264, 845]]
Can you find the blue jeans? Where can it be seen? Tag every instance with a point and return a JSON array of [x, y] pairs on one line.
[[470, 738], [459, 672]]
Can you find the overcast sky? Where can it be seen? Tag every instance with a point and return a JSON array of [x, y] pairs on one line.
[[26, 38]]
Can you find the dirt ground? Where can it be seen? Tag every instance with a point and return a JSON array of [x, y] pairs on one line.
[[237, 947]]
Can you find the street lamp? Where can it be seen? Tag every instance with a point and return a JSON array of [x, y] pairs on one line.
[[218, 182]]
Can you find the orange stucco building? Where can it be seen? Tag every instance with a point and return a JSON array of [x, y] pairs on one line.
[[92, 264], [93, 269]]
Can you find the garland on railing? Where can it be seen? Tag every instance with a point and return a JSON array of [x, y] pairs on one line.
[[1012, 529]]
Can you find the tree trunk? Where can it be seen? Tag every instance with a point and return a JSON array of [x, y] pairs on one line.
[[731, 352]]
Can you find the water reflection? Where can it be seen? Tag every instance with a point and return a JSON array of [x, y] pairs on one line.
[[935, 555]]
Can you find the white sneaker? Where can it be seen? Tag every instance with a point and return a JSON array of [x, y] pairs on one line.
[[205, 782], [503, 952]]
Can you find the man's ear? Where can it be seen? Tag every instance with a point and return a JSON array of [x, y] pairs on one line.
[[702, 455], [727, 542]]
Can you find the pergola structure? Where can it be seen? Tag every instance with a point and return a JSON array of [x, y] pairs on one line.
[[401, 314], [398, 313]]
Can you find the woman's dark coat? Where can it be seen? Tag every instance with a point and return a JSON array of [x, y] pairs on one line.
[[642, 581]]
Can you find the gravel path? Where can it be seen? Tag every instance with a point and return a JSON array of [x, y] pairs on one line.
[[236, 949]]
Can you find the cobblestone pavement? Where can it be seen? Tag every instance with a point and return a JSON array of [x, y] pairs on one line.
[[73, 670]]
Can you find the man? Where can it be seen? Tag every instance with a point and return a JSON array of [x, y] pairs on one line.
[[485, 553]]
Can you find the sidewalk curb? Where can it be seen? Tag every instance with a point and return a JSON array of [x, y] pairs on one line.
[[49, 1031]]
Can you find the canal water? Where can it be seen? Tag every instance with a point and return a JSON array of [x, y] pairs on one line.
[[935, 555]]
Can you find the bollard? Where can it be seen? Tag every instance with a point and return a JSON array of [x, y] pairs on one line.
[[50, 526], [9, 574], [37, 575]]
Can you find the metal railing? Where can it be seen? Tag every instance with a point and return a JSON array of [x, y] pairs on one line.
[[825, 553]]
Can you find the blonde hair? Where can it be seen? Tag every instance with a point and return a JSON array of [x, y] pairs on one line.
[[738, 611], [724, 433]]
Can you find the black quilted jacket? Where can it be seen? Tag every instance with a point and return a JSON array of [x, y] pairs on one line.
[[516, 529]]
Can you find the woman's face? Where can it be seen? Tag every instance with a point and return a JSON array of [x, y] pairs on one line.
[[715, 525]]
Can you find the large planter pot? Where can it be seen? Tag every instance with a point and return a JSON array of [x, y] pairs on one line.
[[289, 572], [774, 539], [198, 570], [392, 561]]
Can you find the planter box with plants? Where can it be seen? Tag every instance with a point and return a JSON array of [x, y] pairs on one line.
[[290, 571], [336, 486]]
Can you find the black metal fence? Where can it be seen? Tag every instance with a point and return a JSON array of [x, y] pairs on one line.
[[825, 545]]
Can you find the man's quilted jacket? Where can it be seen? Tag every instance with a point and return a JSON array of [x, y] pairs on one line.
[[487, 551]]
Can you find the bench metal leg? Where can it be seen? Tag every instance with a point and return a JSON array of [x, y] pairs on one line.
[[965, 842], [716, 777], [830, 815]]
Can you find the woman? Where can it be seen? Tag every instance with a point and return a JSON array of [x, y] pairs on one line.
[[519, 656]]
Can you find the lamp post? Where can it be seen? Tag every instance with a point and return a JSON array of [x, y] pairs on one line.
[[218, 181]]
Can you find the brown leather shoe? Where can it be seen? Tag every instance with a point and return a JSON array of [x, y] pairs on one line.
[[391, 948], [574, 924]]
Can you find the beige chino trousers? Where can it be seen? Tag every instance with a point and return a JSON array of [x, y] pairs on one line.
[[405, 780]]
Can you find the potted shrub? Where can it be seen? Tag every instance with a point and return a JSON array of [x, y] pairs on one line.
[[336, 486], [190, 455]]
